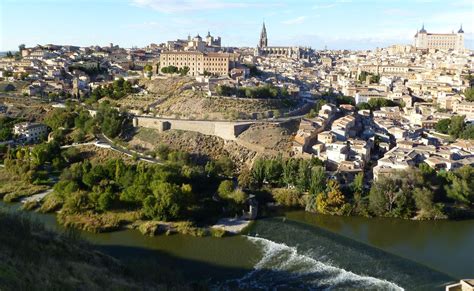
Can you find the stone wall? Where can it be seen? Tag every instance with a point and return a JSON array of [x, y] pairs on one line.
[[223, 129]]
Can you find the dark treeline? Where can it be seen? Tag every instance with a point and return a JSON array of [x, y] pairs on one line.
[[456, 127], [260, 92], [115, 90], [419, 192]]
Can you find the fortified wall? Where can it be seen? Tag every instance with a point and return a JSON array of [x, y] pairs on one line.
[[226, 130]]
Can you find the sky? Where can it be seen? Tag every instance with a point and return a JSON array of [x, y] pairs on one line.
[[335, 24]]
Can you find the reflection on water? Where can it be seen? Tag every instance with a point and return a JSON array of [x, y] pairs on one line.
[[443, 245]]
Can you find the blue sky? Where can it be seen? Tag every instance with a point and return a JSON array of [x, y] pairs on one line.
[[338, 24]]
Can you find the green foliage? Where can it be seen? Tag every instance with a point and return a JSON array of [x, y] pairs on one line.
[[110, 120], [288, 197], [443, 126], [317, 106], [254, 71], [455, 127], [6, 128], [461, 187], [115, 90], [259, 92], [340, 99], [183, 71], [377, 103], [169, 70], [332, 201], [469, 94], [226, 187]]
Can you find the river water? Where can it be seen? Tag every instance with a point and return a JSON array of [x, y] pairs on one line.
[[298, 250]]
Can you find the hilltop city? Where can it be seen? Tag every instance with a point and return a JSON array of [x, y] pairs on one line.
[[192, 137]]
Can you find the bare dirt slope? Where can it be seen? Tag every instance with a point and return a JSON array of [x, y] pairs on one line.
[[201, 147], [267, 138]]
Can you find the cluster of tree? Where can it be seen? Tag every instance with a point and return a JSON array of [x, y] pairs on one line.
[[107, 120], [254, 71], [377, 103], [469, 94], [421, 192], [34, 164], [418, 192], [455, 127], [90, 71], [166, 192], [174, 70], [259, 92], [373, 78], [317, 106], [16, 55], [341, 99], [6, 128], [116, 90]]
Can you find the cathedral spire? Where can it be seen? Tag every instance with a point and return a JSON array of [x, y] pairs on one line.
[[263, 37]]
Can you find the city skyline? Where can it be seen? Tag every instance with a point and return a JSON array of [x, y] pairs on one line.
[[339, 24]]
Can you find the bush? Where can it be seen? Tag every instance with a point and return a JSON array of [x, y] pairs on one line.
[[287, 197]]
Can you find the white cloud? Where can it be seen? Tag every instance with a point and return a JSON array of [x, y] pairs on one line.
[[297, 20], [173, 6]]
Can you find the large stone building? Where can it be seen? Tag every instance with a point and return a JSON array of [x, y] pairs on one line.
[[442, 41], [279, 51], [199, 62]]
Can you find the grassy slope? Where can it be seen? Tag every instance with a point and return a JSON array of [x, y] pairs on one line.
[[32, 258]]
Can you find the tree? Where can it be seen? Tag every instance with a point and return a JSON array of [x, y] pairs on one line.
[[166, 203], [469, 94], [225, 189], [456, 126], [225, 166], [461, 188], [258, 172], [382, 196], [317, 181], [443, 126], [287, 197]]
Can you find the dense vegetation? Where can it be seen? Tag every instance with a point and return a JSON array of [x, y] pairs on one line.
[[377, 103], [419, 192], [455, 127], [115, 90], [259, 92], [373, 78], [469, 94], [91, 71], [74, 117], [6, 128], [174, 70]]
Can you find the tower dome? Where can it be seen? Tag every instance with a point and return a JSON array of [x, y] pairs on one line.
[[460, 30]]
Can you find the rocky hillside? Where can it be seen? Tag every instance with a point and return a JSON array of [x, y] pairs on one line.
[[200, 146]]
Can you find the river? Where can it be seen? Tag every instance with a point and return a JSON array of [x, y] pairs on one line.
[[297, 250]]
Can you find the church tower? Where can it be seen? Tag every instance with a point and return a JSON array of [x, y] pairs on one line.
[[263, 37]]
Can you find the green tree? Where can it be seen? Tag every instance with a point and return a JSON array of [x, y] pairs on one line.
[[443, 126], [461, 187], [456, 126]]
